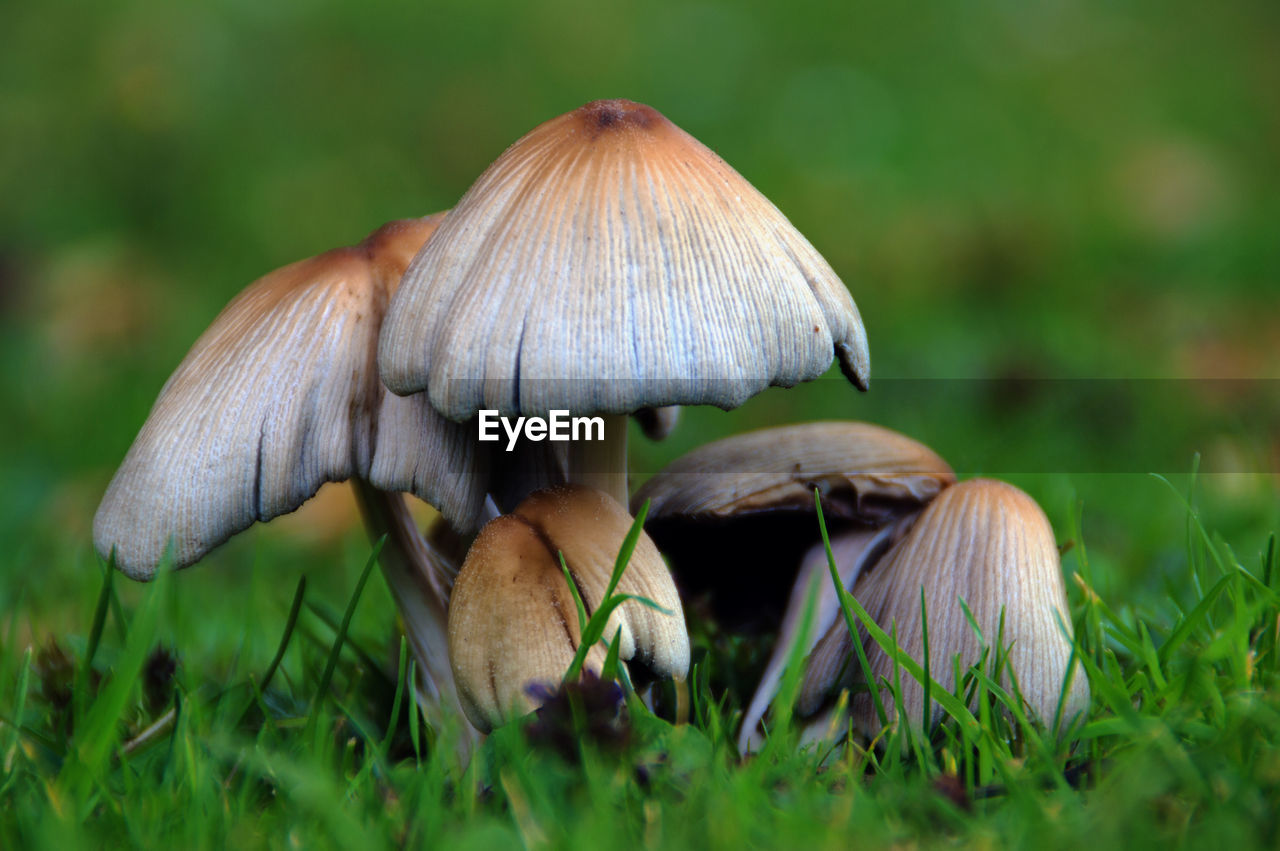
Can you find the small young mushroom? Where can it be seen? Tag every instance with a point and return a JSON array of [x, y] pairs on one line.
[[281, 395], [512, 619], [737, 516], [608, 262], [982, 542]]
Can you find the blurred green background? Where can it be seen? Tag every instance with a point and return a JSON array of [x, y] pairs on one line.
[[1023, 197]]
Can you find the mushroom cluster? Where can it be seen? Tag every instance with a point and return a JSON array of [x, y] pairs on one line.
[[606, 264], [906, 540], [609, 265]]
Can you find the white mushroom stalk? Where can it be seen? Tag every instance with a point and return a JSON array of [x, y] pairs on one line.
[[419, 578], [602, 464], [854, 553]]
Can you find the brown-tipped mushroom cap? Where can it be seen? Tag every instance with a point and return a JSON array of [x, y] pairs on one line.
[[278, 396], [512, 623], [609, 261], [858, 468], [512, 620], [982, 541]]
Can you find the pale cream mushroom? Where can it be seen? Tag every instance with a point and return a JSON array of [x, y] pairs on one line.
[[281, 395], [984, 542], [753, 494], [512, 619], [608, 262]]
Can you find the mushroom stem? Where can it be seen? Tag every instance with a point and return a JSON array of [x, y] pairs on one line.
[[420, 581], [853, 552], [602, 464]]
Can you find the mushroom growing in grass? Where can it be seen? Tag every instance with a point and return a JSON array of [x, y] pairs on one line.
[[513, 621], [281, 395], [609, 262], [986, 544], [736, 517]]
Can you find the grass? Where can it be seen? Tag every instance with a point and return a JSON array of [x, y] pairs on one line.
[[322, 747]]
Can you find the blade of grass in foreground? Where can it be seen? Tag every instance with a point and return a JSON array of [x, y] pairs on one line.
[[98, 736], [593, 629], [331, 665], [881, 715], [850, 606]]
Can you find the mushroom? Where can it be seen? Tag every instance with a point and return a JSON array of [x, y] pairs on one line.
[[736, 517], [982, 542], [512, 619], [608, 262], [281, 395]]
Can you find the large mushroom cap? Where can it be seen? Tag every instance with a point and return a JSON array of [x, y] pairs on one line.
[[278, 396], [608, 261]]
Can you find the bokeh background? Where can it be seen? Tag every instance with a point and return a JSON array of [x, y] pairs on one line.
[[1061, 223]]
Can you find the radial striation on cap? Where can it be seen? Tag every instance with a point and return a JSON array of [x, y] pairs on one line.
[[982, 542], [512, 619], [277, 397], [608, 261], [854, 465]]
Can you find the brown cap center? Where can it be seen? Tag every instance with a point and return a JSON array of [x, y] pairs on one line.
[[602, 116]]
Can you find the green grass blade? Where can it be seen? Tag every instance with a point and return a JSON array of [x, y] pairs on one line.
[[15, 721], [927, 683], [1199, 616], [844, 597], [97, 738], [579, 606], [295, 609], [594, 628], [322, 687]]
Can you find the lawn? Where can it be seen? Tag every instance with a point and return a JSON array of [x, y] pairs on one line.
[[1057, 221]]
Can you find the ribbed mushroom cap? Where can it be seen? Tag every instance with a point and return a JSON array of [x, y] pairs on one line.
[[859, 468], [512, 623], [608, 261], [278, 396], [512, 620], [982, 541], [589, 527]]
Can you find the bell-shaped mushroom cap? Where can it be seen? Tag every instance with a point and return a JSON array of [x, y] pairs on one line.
[[608, 261], [859, 468], [989, 544], [512, 619], [512, 623], [589, 526], [278, 396]]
